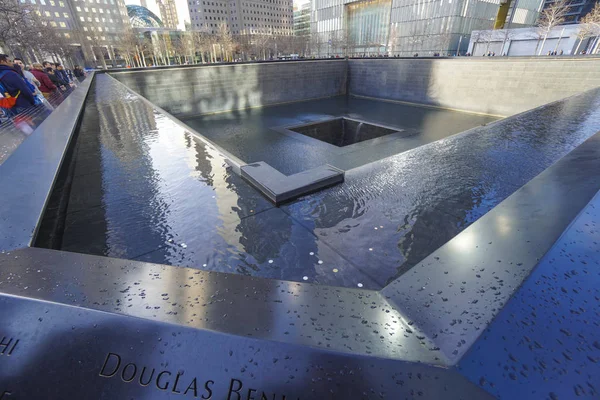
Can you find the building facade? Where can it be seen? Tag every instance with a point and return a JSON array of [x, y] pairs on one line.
[[563, 39], [577, 9], [302, 20], [91, 27], [406, 27], [243, 17], [168, 13]]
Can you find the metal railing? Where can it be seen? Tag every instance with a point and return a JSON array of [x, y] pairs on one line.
[[16, 128]]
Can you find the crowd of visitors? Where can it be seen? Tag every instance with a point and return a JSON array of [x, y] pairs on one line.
[[38, 85]]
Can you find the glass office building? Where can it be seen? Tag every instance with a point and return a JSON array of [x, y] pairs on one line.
[[406, 27]]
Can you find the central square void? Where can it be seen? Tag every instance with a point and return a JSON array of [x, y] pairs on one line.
[[342, 131]]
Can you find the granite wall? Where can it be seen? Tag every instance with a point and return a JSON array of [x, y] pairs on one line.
[[495, 85], [208, 89]]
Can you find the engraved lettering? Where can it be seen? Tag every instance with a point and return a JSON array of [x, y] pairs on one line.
[[176, 382], [117, 366], [5, 395], [158, 380], [102, 373], [207, 385], [125, 370], [193, 385], [149, 379], [5, 345], [236, 391]]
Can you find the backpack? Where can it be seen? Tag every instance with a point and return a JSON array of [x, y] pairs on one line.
[[31, 88]]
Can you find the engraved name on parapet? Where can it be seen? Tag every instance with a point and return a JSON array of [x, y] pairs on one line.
[[181, 383], [5, 395], [8, 346]]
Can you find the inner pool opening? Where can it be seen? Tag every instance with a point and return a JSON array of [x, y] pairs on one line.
[[342, 131]]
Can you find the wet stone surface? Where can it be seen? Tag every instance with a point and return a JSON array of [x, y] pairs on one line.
[[253, 134], [146, 189], [545, 342]]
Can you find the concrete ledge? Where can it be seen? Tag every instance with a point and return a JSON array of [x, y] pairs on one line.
[[279, 188], [28, 175]]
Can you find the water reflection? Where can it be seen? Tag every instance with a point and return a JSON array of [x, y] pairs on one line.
[[390, 215], [160, 194], [146, 189]]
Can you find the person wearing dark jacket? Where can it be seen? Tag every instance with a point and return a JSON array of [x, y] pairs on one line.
[[14, 83], [79, 73], [55, 79], [46, 85], [61, 73]]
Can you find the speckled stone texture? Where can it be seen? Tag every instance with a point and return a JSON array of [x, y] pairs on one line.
[[495, 85]]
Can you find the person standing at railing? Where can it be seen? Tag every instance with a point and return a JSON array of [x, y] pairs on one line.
[[46, 85], [79, 73], [62, 86], [61, 73], [14, 85], [28, 75]]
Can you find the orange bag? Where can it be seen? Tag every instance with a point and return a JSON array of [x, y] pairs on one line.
[[8, 101]]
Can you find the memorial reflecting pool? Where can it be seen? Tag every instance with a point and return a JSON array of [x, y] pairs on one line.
[[145, 188]]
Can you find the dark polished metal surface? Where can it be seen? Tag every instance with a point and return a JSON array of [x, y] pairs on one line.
[[545, 343], [73, 353], [345, 320]]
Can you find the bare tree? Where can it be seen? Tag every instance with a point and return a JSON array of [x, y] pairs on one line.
[[392, 42], [202, 44], [261, 43], [590, 27], [551, 16], [316, 44], [225, 42]]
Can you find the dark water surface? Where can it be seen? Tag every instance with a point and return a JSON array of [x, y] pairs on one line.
[[146, 189], [249, 134]]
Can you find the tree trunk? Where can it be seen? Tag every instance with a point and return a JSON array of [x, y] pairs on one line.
[[595, 48], [543, 43], [577, 48]]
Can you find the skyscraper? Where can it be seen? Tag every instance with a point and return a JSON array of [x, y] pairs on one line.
[[168, 13], [406, 27], [243, 17], [93, 26], [302, 20]]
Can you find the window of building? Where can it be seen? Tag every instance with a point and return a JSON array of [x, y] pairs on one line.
[[86, 9], [52, 3], [88, 38], [97, 19], [53, 23], [56, 14], [47, 13], [61, 3], [64, 14], [93, 10], [62, 25], [85, 28], [81, 19], [67, 35]]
